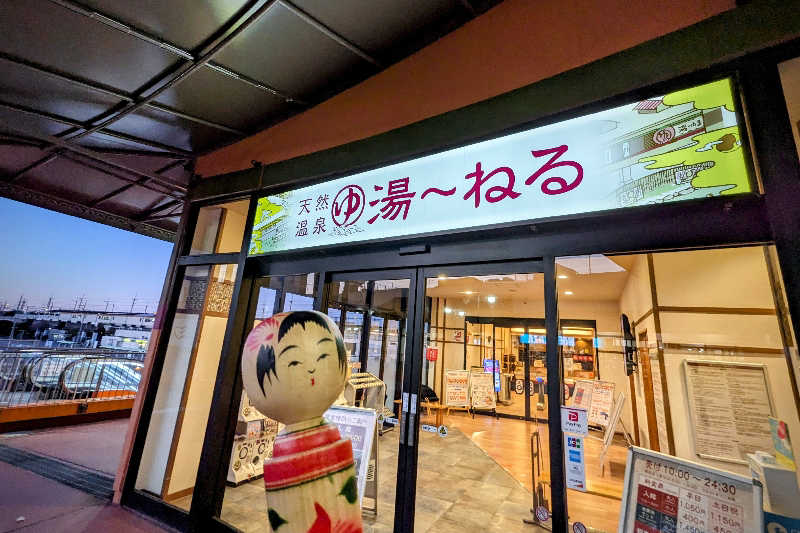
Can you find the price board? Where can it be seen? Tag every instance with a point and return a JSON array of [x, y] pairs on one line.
[[602, 400], [665, 494], [482, 391], [456, 388]]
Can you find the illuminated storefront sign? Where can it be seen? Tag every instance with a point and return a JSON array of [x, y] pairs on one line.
[[680, 146]]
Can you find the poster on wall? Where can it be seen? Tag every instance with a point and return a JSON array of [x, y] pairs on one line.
[[729, 406], [574, 462], [666, 494], [582, 397], [359, 425], [672, 147], [482, 391], [456, 388], [602, 399]]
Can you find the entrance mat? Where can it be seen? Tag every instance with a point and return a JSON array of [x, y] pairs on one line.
[[88, 481]]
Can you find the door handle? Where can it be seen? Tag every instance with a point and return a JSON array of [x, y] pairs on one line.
[[404, 418], [412, 420]]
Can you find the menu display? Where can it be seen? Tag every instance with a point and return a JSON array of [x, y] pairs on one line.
[[602, 398], [667, 495], [456, 388], [482, 391], [582, 397], [358, 425], [730, 408], [658, 400]]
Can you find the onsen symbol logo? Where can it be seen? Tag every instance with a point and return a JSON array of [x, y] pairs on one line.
[[348, 205]]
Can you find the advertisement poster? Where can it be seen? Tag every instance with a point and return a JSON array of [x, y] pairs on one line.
[[492, 366], [673, 147], [664, 494], [574, 462], [482, 391], [358, 425], [783, 446], [602, 399], [456, 384], [582, 397]]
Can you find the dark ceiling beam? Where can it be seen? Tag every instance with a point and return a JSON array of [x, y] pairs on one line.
[[78, 82], [140, 181], [71, 207], [89, 154], [183, 72], [169, 150], [330, 33], [33, 166], [169, 47], [159, 208], [161, 217]]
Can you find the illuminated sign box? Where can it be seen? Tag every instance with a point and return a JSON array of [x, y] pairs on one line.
[[681, 146]]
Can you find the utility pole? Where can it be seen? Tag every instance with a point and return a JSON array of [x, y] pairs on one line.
[[132, 303], [19, 303]]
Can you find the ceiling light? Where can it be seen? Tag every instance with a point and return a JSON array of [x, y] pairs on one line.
[[461, 313], [442, 276], [448, 310], [562, 276], [491, 299], [568, 293], [467, 292]]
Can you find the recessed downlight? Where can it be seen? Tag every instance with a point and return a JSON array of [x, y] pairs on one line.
[[491, 299], [461, 313], [562, 276], [448, 310], [568, 293]]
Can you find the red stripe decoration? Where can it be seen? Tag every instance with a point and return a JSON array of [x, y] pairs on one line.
[[282, 472], [308, 439]]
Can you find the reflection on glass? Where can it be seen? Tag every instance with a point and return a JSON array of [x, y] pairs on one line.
[[178, 422], [220, 228]]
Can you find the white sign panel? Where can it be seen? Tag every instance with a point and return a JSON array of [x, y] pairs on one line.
[[575, 463], [482, 391], [574, 420], [665, 494], [679, 146], [602, 398], [456, 388], [358, 425]]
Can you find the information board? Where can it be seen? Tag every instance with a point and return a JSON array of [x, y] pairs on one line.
[[602, 399], [730, 406], [664, 494], [658, 401], [482, 391], [456, 383], [360, 426]]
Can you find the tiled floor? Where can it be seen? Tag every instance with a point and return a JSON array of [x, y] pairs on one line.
[[459, 489], [31, 503], [97, 445]]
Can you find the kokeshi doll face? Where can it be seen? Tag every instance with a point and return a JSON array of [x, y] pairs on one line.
[[294, 365]]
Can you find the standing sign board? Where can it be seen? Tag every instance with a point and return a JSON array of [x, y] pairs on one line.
[[360, 426], [482, 391], [666, 494], [456, 388], [673, 147], [602, 398]]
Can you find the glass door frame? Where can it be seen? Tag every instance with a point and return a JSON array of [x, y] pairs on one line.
[[412, 369]]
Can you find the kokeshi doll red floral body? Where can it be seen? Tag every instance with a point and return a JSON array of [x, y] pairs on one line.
[[294, 366]]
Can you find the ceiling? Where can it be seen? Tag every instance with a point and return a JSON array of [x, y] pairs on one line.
[[104, 104]]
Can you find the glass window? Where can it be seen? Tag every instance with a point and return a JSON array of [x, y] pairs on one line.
[[220, 228], [178, 422], [243, 504], [693, 353]]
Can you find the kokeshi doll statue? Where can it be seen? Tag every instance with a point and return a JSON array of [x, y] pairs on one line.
[[294, 366]]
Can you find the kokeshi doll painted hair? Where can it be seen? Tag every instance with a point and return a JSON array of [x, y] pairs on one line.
[[294, 366]]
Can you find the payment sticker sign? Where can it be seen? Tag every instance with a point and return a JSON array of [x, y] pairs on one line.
[[576, 466], [574, 420]]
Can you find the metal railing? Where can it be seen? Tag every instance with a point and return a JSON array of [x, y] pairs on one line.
[[41, 377]]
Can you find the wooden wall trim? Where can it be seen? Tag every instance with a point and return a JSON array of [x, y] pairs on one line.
[[718, 310], [660, 351], [744, 351]]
